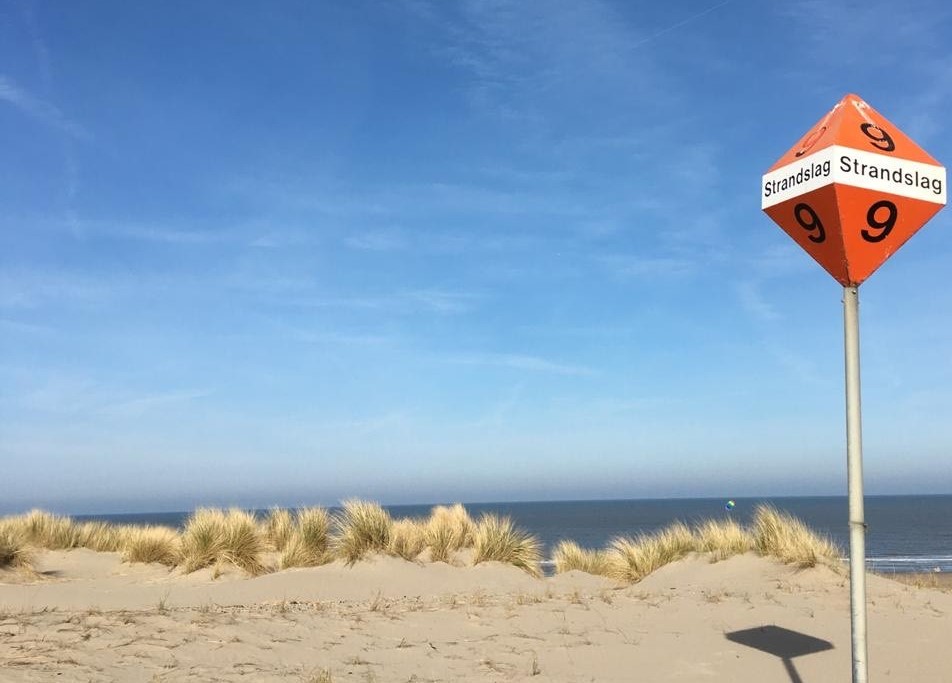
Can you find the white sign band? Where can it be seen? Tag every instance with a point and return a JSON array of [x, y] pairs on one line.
[[848, 166]]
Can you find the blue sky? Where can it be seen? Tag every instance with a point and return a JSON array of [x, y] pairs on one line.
[[282, 253]]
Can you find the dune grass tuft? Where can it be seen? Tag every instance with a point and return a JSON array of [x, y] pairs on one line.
[[278, 527], [151, 544], [213, 536], [723, 539], [202, 539], [43, 529], [632, 559], [98, 536], [307, 545], [568, 555], [496, 539], [407, 538], [780, 535], [449, 528], [14, 552], [362, 527]]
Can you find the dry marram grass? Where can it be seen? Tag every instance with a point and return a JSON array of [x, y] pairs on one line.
[[362, 527], [407, 538], [496, 539], [278, 527], [449, 528], [723, 539], [569, 556], [151, 544], [780, 535], [307, 545], [14, 552], [632, 559], [212, 537]]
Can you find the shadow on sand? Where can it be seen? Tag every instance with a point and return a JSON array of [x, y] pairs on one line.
[[780, 642]]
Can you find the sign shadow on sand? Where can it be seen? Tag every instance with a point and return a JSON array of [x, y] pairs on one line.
[[781, 642]]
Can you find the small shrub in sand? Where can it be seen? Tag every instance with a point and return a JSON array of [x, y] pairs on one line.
[[632, 559], [780, 535], [151, 544], [213, 536], [278, 527], [14, 553], [448, 529], [307, 545], [407, 538], [723, 539], [568, 555], [362, 527], [496, 539]]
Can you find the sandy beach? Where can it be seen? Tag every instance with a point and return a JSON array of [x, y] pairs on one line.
[[86, 616]]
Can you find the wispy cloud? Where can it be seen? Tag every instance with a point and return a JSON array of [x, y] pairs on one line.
[[520, 362], [636, 266], [39, 110], [25, 289], [135, 406], [383, 239], [752, 300]]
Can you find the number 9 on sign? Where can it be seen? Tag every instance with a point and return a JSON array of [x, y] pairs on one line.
[[885, 225], [810, 222]]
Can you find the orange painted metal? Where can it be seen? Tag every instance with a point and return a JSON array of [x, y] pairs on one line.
[[867, 189]]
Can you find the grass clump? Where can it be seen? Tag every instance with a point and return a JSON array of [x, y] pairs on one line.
[[407, 538], [151, 544], [98, 536], [43, 529], [278, 527], [632, 559], [449, 528], [780, 535], [212, 537], [568, 555], [362, 527], [307, 544], [496, 539], [723, 539], [14, 551]]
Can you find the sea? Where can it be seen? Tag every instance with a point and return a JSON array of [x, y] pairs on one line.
[[905, 533]]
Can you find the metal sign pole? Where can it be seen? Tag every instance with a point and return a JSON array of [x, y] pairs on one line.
[[854, 464]]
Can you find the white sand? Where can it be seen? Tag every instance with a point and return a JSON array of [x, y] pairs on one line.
[[90, 618]]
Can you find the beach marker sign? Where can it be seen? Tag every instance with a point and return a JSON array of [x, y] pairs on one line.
[[853, 190]]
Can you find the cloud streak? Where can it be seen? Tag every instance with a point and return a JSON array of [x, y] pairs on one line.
[[39, 110], [521, 362]]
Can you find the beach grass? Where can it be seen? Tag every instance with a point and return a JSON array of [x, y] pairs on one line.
[[312, 536], [151, 544], [786, 538], [407, 538], [632, 559], [278, 528], [723, 539], [308, 542], [568, 556], [361, 527], [213, 537], [14, 551], [497, 539], [449, 529]]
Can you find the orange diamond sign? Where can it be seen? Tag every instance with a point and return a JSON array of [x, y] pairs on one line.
[[853, 190]]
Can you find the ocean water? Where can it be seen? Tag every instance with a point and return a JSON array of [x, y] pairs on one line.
[[905, 533]]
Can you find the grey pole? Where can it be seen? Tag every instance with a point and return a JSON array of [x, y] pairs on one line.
[[854, 466]]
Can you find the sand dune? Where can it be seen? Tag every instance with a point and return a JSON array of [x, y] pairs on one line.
[[88, 617]]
